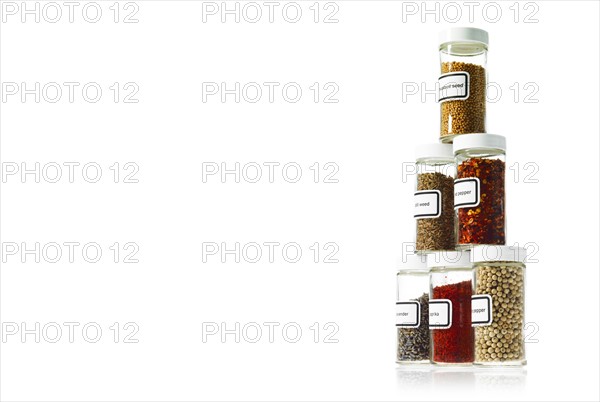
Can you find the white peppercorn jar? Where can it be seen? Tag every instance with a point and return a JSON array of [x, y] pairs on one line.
[[479, 190], [434, 198], [450, 292], [499, 305], [412, 298], [463, 81]]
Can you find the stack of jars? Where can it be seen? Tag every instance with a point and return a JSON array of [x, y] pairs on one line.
[[461, 296]]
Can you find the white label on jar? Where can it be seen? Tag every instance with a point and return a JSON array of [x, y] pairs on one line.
[[454, 86], [481, 310], [408, 314], [428, 204], [466, 192], [440, 313]]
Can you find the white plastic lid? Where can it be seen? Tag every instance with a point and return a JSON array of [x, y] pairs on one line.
[[457, 259], [412, 261], [463, 34], [485, 141], [435, 150], [489, 253]]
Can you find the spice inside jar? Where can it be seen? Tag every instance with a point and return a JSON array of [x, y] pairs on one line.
[[500, 294], [413, 343], [464, 116], [452, 336], [462, 85], [479, 189], [434, 198], [412, 310]]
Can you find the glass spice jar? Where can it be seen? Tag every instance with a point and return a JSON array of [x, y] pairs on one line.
[[434, 198], [451, 288], [499, 305], [412, 310], [479, 192], [462, 85]]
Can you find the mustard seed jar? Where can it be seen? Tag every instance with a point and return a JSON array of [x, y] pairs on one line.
[[434, 198], [462, 85], [412, 309], [479, 191], [451, 288], [499, 305]]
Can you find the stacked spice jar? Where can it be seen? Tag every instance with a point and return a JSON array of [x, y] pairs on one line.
[[469, 294]]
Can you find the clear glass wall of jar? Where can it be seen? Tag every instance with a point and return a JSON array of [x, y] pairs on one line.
[[412, 312], [451, 288], [434, 198], [499, 305], [479, 190], [462, 85]]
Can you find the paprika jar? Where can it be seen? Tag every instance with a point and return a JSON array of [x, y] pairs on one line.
[[434, 198], [450, 291], [462, 85], [479, 195], [499, 305], [412, 310]]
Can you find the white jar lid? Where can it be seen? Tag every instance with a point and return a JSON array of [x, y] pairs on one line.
[[464, 34], [436, 150], [457, 259], [412, 261], [490, 253], [485, 141]]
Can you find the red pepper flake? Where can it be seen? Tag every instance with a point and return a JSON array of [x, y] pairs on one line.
[[455, 344], [485, 223]]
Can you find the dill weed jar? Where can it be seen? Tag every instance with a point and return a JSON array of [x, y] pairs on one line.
[[451, 288], [479, 189], [499, 305], [434, 198], [412, 310], [462, 85]]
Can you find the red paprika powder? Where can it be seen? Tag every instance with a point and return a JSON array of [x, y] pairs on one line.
[[455, 344]]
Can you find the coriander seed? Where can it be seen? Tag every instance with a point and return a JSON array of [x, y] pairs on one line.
[[462, 85]]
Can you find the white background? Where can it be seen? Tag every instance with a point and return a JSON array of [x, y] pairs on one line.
[[370, 54]]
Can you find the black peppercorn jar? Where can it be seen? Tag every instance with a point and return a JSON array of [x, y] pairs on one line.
[[479, 190], [412, 310], [434, 198]]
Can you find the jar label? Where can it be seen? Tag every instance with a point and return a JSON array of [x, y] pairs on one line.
[[408, 314], [453, 86], [440, 313], [466, 192], [428, 204], [481, 310]]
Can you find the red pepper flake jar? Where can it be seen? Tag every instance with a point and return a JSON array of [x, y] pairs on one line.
[[479, 189], [450, 292]]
